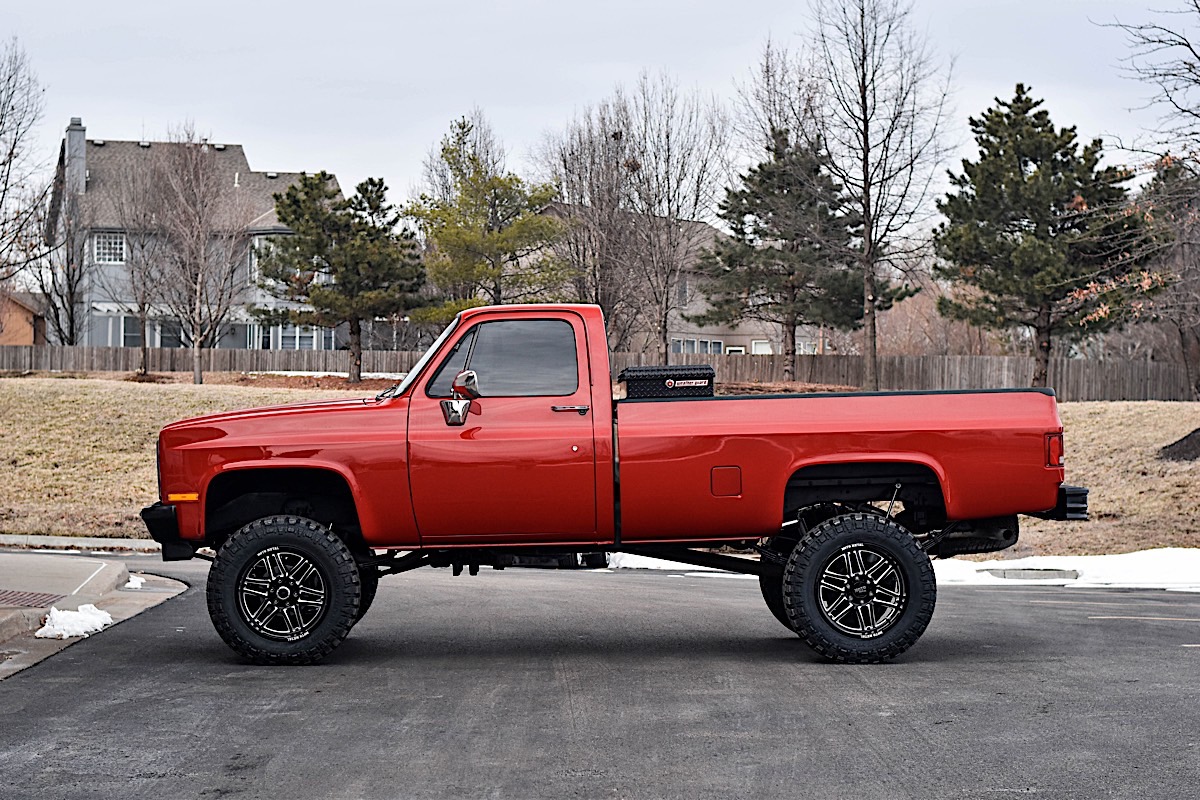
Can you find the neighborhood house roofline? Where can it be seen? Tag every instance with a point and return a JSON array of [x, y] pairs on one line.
[[94, 169]]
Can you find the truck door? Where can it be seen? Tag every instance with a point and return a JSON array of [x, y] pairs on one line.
[[522, 465]]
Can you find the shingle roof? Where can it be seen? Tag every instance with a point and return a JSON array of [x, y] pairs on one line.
[[28, 300], [249, 192]]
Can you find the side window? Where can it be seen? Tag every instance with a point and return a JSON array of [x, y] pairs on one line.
[[515, 358], [454, 364]]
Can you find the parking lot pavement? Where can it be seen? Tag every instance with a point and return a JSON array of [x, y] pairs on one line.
[[31, 583], [551, 684]]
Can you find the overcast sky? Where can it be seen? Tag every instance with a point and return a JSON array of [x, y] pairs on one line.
[[366, 89]]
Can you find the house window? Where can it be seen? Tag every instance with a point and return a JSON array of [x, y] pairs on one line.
[[131, 332], [170, 334], [702, 346], [109, 248], [301, 337], [760, 347], [735, 351]]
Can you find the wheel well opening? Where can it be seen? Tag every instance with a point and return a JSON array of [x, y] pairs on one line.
[[239, 497], [920, 507]]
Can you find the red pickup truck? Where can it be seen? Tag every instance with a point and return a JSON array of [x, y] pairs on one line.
[[509, 442]]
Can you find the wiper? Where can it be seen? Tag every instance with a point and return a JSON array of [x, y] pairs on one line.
[[386, 393]]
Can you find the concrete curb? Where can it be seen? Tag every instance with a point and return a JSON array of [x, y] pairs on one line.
[[16, 621], [46, 542], [106, 578]]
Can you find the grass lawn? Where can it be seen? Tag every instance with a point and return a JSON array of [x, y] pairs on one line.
[[77, 458]]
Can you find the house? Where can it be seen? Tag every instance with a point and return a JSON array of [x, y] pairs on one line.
[[21, 321], [89, 179], [752, 337]]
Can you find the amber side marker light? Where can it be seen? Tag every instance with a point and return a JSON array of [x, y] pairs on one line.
[[1054, 450], [183, 497]]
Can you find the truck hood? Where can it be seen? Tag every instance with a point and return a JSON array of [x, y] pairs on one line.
[[263, 413]]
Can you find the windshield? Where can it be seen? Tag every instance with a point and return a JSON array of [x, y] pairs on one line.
[[420, 365]]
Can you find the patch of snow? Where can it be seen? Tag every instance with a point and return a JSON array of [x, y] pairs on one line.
[[135, 582], [735, 575], [631, 561], [67, 624], [1172, 568]]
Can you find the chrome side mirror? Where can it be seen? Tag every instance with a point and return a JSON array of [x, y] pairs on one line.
[[465, 389], [466, 384]]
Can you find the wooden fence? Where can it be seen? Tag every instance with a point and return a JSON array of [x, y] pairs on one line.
[[1072, 379]]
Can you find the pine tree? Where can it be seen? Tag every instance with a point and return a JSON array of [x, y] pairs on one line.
[[346, 261], [1038, 235], [485, 228], [781, 263]]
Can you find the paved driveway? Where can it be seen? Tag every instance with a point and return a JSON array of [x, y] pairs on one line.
[[527, 684]]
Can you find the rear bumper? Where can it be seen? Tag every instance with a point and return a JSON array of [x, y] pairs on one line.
[[160, 521], [1072, 505]]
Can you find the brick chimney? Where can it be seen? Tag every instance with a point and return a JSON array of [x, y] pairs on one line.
[[76, 157]]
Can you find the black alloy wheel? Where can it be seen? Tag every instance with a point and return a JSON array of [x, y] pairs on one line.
[[858, 589], [282, 595], [861, 590], [284, 590]]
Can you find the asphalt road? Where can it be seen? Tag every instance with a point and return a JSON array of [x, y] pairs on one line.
[[533, 684]]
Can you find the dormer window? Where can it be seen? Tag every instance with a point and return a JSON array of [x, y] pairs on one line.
[[109, 248]]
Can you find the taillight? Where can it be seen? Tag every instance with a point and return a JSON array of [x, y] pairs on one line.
[[1054, 450]]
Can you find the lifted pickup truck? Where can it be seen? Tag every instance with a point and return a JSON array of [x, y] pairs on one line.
[[509, 440]]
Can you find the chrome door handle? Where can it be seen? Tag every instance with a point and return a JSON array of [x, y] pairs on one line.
[[581, 409]]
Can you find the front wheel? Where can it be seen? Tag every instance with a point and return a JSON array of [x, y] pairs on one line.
[[858, 589], [284, 590]]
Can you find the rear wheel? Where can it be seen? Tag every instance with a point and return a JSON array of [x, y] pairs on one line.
[[370, 585], [771, 586], [283, 590], [858, 589], [771, 582]]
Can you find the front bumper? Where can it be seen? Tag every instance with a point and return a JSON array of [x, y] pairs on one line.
[[160, 521], [1072, 505]]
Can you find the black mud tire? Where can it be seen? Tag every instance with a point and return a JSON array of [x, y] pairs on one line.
[[858, 589], [370, 585], [771, 587], [284, 590]]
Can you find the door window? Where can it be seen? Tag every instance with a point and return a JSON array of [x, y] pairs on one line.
[[514, 358]]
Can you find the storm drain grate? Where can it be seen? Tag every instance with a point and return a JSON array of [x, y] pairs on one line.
[[9, 597]]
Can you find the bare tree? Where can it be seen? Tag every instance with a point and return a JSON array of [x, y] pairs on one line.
[[639, 174], [1165, 55], [872, 95], [136, 285], [21, 198], [203, 224], [589, 162], [63, 276], [677, 167]]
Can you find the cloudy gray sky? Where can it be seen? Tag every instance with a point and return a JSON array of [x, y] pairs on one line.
[[366, 88]]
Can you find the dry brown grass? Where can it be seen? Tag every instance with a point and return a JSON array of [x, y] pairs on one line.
[[77, 458], [1137, 500]]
